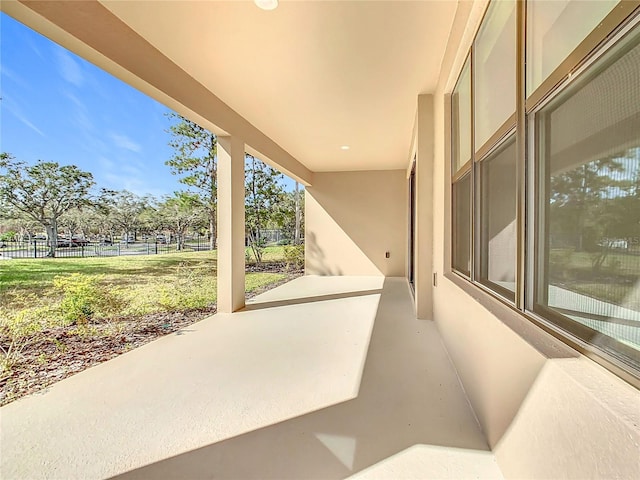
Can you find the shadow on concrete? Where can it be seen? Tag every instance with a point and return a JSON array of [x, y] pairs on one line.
[[299, 301], [409, 394]]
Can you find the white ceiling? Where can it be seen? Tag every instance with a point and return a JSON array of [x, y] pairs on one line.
[[312, 75]]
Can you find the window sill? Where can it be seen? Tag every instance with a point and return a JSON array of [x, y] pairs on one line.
[[545, 337]]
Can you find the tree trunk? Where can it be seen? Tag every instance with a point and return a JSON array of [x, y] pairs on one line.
[[214, 192], [212, 229], [52, 234], [296, 235], [255, 247], [256, 235]]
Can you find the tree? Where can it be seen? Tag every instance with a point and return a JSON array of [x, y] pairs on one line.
[[25, 227], [124, 210], [596, 205], [43, 192], [263, 194], [298, 212], [577, 197], [195, 160], [290, 216], [79, 220], [181, 212]]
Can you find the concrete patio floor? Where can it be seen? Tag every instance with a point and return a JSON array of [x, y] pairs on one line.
[[323, 377]]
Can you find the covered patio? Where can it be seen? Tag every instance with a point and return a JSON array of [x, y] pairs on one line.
[[350, 370], [322, 377]]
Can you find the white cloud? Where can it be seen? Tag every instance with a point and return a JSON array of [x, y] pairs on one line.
[[126, 182], [75, 100], [125, 142], [88, 136], [123, 182], [131, 170], [13, 76], [68, 68], [30, 41], [106, 163], [17, 112], [83, 121]]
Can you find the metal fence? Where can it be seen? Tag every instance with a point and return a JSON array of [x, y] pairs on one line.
[[40, 248], [276, 237]]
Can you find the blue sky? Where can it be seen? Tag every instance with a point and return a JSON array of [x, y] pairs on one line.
[[58, 107]]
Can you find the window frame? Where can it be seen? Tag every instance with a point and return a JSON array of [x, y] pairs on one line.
[[461, 172], [458, 172], [482, 150], [585, 49], [622, 19], [610, 345], [454, 245], [480, 260]]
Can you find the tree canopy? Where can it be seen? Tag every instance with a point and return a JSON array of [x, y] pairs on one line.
[[194, 160], [43, 192], [263, 196]]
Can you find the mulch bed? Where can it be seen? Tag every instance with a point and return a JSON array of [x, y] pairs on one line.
[[60, 352], [267, 267]]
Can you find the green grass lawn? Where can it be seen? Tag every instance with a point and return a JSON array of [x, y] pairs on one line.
[[59, 316], [141, 284], [614, 282]]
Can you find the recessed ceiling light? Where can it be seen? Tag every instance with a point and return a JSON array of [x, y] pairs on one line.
[[345, 147], [266, 4]]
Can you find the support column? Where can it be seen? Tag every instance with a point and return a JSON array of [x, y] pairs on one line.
[[424, 209], [231, 230]]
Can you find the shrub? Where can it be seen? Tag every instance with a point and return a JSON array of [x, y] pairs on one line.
[[257, 248], [191, 289], [183, 298], [17, 331], [294, 256], [8, 236], [83, 297]]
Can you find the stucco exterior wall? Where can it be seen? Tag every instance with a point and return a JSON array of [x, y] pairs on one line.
[[424, 207], [354, 218], [547, 411]]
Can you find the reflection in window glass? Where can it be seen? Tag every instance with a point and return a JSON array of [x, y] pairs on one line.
[[554, 29], [461, 119], [462, 225], [589, 248], [498, 217], [495, 70]]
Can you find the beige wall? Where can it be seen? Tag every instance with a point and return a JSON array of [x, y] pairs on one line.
[[495, 365], [352, 219], [547, 411], [578, 421], [424, 205]]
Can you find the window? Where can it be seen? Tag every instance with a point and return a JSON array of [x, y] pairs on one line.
[[589, 224], [461, 167], [560, 244], [495, 70], [462, 225], [554, 30], [497, 252], [461, 101]]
